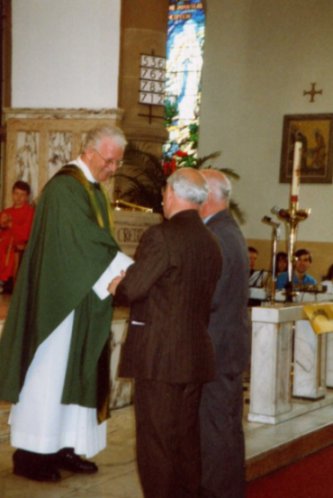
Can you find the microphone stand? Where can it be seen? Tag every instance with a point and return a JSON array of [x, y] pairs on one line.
[[275, 236]]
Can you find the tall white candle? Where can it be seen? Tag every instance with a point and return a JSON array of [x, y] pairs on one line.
[[296, 172]]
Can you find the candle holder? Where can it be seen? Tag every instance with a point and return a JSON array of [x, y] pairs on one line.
[[292, 217]]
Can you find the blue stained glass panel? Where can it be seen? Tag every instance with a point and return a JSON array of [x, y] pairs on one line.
[[185, 44]]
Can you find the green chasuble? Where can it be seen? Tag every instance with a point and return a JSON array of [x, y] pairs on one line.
[[67, 252]]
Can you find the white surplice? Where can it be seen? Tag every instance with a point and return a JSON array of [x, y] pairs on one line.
[[39, 422]]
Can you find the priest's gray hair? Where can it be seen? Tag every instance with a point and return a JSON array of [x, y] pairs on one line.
[[95, 135], [187, 188]]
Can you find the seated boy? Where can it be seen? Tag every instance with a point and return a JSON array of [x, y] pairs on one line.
[[15, 226]]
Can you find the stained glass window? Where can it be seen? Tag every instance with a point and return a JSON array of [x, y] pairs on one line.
[[185, 43]]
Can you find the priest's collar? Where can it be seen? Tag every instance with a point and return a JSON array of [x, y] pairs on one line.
[[84, 168]]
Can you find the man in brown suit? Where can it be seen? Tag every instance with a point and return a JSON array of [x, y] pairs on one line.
[[168, 350]]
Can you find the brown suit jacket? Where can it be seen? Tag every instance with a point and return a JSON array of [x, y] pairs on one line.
[[169, 288]]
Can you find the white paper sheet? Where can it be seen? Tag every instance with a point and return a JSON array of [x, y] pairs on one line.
[[120, 263]]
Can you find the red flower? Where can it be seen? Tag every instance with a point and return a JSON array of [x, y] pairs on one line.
[[169, 167], [181, 153]]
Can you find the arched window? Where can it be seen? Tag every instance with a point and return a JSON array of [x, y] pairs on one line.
[[185, 43]]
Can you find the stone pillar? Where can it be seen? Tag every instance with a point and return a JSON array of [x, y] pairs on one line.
[[143, 31], [276, 372], [309, 362], [270, 398]]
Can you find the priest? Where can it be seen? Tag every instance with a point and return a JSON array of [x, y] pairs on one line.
[[54, 351]]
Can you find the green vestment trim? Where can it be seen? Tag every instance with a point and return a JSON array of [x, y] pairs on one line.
[[72, 170]]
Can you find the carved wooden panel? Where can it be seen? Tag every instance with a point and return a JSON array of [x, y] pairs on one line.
[[40, 141]]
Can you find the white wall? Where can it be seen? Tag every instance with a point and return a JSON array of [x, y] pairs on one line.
[[259, 57], [65, 53]]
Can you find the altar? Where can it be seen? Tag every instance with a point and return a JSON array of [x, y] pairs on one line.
[[291, 365]]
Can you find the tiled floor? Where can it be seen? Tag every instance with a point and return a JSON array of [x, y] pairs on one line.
[[117, 476]]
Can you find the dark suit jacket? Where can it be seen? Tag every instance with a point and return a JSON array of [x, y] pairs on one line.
[[229, 324], [169, 288]]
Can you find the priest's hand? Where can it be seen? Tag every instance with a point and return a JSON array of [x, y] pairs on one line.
[[112, 287]]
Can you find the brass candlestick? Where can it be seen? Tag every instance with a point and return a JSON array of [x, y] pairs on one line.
[[291, 217]]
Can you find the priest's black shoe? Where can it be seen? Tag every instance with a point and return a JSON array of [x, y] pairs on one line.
[[35, 466], [66, 459]]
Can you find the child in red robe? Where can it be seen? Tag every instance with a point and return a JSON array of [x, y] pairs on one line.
[[15, 226]]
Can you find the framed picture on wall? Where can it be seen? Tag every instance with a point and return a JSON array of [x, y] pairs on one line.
[[315, 132]]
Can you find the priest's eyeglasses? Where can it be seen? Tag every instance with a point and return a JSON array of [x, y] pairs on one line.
[[110, 161]]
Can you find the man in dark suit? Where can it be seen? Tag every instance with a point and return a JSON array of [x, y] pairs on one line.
[[222, 438], [168, 350]]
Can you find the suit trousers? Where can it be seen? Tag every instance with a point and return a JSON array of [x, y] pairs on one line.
[[168, 438], [222, 438]]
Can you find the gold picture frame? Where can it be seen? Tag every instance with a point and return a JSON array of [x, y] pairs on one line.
[[315, 131]]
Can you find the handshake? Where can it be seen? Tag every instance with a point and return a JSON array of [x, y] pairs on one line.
[[108, 282], [112, 287]]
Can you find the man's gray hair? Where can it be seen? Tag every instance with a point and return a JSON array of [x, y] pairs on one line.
[[95, 135], [225, 188], [220, 186], [187, 189]]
